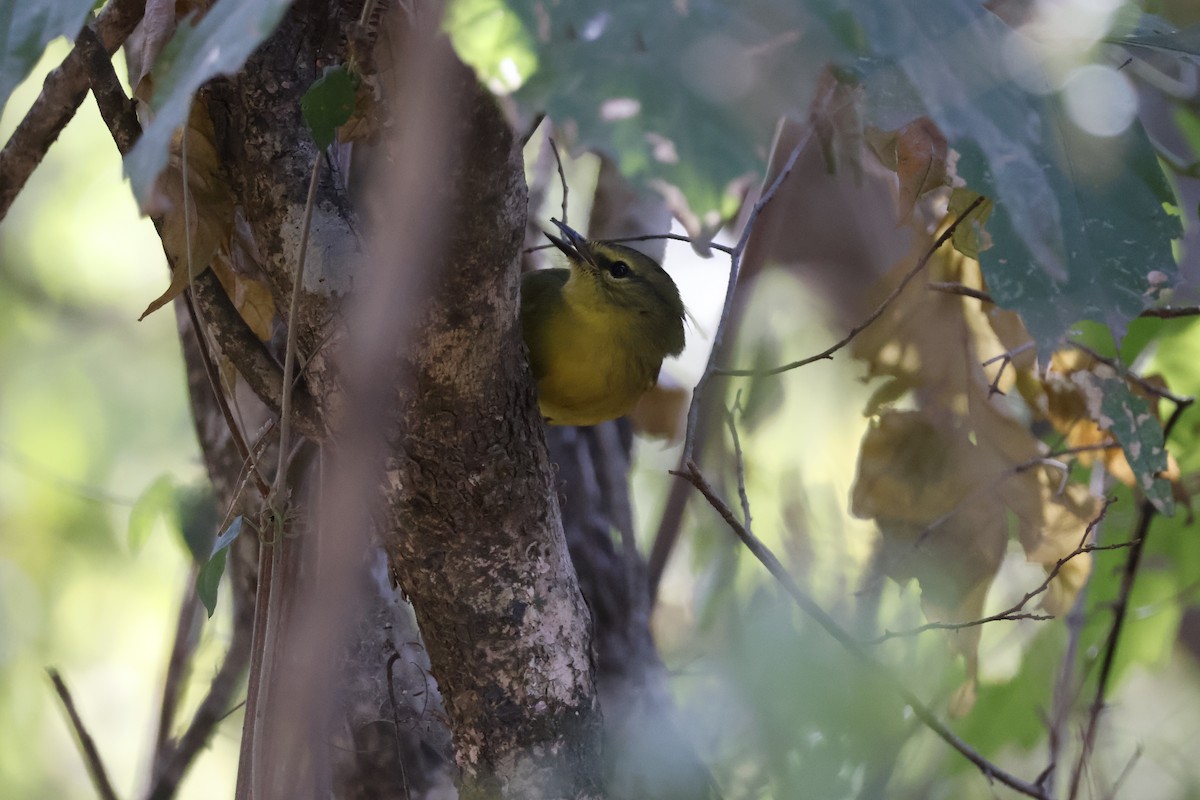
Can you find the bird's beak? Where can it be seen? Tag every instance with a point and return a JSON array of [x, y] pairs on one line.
[[572, 244]]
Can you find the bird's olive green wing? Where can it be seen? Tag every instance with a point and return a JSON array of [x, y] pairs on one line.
[[541, 300]]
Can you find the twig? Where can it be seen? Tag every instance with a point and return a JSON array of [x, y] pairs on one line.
[[1146, 514], [114, 106], [1017, 611], [61, 95], [1160, 312], [679, 238], [214, 708], [735, 267], [562, 176], [961, 289], [1127, 374], [289, 358], [87, 747], [268, 600], [244, 789], [675, 237], [739, 461], [809, 606], [182, 650], [876, 314], [214, 382]]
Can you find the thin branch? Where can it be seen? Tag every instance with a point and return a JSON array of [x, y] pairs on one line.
[[214, 708], [809, 606], [705, 243], [1146, 514], [562, 176], [115, 107], [255, 700], [61, 95], [1159, 312], [214, 382], [738, 460], [876, 314], [1127, 374], [1017, 611], [87, 747], [182, 650], [735, 268], [289, 358], [960, 289]]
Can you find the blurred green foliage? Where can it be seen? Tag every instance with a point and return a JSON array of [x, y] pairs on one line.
[[93, 411]]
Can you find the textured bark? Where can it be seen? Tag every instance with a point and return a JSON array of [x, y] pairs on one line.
[[476, 538], [471, 524]]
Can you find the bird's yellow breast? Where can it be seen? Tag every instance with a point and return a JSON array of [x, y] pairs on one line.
[[590, 374], [588, 362]]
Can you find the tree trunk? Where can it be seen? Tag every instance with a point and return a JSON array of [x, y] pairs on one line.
[[419, 386]]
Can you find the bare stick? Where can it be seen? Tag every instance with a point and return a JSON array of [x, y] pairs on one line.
[[1161, 312], [562, 176], [61, 95], [289, 359], [1146, 514], [678, 238], [735, 266], [1017, 611], [173, 765], [1128, 375], [739, 461], [876, 314], [115, 107], [182, 650], [254, 711], [809, 606], [87, 747]]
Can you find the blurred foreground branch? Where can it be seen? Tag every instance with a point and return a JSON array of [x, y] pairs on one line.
[[691, 473]]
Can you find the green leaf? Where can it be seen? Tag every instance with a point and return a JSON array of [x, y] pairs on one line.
[[678, 95], [219, 45], [208, 580], [1079, 220], [1130, 420], [197, 510], [328, 103], [26, 27], [156, 502]]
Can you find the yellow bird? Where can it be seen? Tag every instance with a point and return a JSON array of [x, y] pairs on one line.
[[597, 332]]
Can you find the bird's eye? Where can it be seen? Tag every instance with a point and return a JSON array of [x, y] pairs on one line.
[[619, 269]]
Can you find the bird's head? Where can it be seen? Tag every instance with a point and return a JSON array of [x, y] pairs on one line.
[[609, 275]]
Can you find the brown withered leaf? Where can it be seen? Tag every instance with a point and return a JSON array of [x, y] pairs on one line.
[[942, 480], [661, 412], [364, 122], [152, 33], [251, 297], [208, 223], [921, 153], [970, 237]]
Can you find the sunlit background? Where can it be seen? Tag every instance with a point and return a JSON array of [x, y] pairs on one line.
[[93, 410], [93, 413]]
